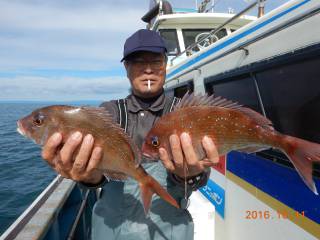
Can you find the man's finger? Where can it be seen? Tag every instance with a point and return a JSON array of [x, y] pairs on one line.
[[61, 171], [66, 153], [205, 163], [50, 148], [176, 150], [188, 149], [95, 159], [83, 156], [168, 164], [211, 150]]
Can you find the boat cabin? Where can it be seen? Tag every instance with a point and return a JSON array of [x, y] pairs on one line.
[[183, 29]]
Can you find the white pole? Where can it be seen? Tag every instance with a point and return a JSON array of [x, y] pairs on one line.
[[196, 4]]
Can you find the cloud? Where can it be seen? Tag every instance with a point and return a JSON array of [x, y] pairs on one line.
[[66, 49], [64, 15], [63, 88], [62, 34]]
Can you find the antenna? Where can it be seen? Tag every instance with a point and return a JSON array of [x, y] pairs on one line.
[[230, 10], [261, 5], [203, 5]]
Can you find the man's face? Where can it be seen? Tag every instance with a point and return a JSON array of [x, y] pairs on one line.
[[143, 67]]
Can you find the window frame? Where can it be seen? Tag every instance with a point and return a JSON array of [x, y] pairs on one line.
[[176, 37]]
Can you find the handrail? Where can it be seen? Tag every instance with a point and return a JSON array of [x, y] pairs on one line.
[[25, 217], [214, 31], [77, 219]]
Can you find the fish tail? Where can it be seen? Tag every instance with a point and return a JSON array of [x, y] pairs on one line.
[[302, 154], [148, 187]]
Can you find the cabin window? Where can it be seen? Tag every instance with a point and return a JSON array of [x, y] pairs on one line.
[[291, 97], [191, 36], [182, 90], [171, 40], [241, 90]]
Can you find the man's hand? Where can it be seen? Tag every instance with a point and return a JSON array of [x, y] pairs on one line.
[[181, 147], [80, 166]]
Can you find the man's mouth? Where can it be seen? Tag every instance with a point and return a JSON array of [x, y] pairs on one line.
[[148, 83], [147, 80]]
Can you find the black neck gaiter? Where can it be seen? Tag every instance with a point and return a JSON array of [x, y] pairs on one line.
[[145, 103]]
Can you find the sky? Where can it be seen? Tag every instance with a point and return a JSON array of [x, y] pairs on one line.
[[66, 50]]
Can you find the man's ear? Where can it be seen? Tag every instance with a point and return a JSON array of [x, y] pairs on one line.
[[126, 65]]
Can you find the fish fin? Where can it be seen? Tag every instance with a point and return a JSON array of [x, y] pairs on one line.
[[253, 149], [134, 148], [107, 119], [137, 153], [191, 100], [259, 118], [150, 186], [99, 112], [302, 154], [146, 195], [114, 175]]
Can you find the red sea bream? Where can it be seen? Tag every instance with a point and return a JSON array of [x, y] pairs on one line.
[[121, 157], [231, 127]]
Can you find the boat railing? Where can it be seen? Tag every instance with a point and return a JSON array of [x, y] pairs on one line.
[[214, 31], [16, 228], [61, 211], [72, 232], [243, 46]]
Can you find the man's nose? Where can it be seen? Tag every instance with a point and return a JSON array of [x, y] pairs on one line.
[[148, 68]]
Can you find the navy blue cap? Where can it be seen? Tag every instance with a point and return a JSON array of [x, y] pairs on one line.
[[144, 40]]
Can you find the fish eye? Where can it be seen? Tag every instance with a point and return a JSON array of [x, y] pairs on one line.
[[155, 141], [38, 120]]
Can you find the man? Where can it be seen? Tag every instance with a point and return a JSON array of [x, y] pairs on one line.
[[119, 214]]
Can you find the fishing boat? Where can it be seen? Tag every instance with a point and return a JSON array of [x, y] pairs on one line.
[[269, 63]]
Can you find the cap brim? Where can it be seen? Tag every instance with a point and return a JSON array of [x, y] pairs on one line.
[[146, 49]]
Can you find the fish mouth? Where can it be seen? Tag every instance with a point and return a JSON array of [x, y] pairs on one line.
[[148, 156], [20, 129]]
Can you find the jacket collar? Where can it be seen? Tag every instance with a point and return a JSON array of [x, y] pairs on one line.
[[134, 106]]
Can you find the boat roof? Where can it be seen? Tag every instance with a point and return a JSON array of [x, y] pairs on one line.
[[198, 20]]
